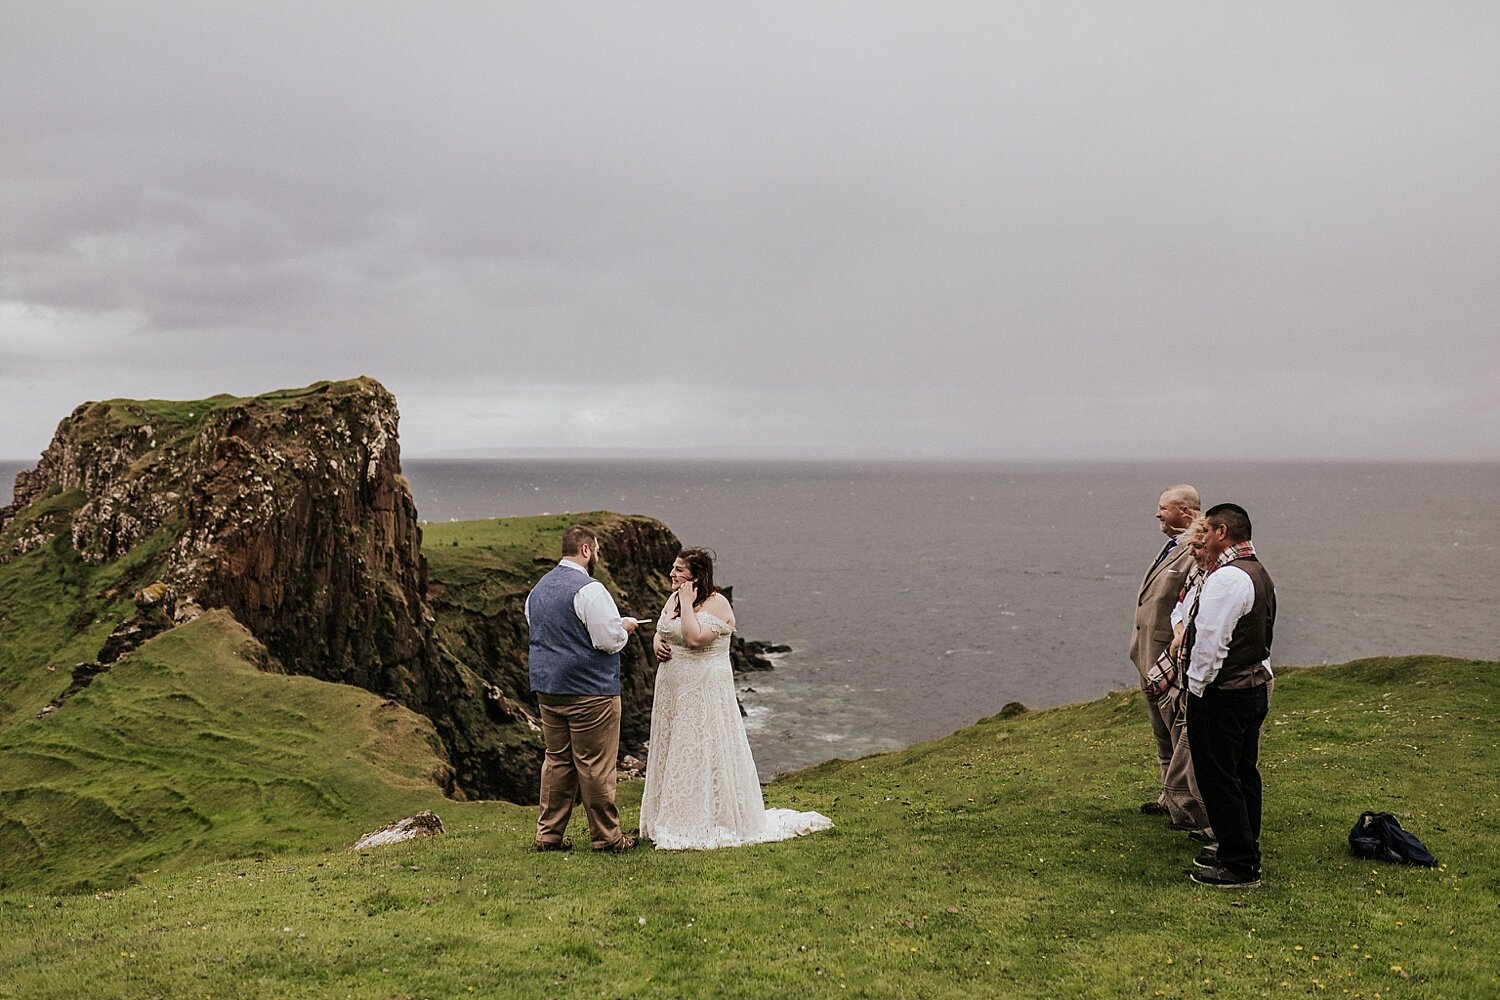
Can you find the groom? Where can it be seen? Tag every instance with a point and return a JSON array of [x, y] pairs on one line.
[[576, 637]]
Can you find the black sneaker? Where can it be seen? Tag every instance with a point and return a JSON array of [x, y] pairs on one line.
[[1208, 858], [1201, 837], [1224, 878]]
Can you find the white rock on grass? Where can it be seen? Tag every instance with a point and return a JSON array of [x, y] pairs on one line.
[[423, 824]]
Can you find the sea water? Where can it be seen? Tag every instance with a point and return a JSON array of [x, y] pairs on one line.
[[918, 597]]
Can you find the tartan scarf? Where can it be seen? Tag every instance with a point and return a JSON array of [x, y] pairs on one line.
[[1193, 579], [1238, 550]]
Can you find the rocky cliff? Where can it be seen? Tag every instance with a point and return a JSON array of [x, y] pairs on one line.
[[482, 570], [289, 511]]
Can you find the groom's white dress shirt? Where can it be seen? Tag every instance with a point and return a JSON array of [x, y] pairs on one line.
[[597, 610]]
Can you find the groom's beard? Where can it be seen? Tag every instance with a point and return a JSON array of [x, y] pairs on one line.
[[593, 561]]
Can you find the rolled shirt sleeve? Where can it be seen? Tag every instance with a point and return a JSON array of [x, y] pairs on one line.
[[597, 610], [1228, 595]]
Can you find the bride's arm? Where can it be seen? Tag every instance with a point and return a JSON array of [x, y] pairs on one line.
[[660, 643], [718, 606], [694, 634]]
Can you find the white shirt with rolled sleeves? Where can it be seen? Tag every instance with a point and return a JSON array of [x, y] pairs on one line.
[[1184, 607], [597, 610], [1228, 595]]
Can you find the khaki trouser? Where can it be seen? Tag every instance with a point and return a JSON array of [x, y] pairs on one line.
[[1161, 728], [1179, 787], [583, 742]]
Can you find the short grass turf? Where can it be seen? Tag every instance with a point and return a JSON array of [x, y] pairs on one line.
[[1007, 860], [186, 751], [480, 565]]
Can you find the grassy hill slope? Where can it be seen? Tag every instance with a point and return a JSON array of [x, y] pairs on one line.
[[186, 752], [1005, 860]]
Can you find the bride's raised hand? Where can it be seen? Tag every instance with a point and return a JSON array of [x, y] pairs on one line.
[[693, 633]]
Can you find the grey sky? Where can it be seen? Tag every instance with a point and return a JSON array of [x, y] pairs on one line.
[[1041, 230]]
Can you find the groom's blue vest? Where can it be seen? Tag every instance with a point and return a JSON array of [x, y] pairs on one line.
[[563, 659]]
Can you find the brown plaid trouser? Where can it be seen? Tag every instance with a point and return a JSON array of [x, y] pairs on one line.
[[1179, 785], [583, 742]]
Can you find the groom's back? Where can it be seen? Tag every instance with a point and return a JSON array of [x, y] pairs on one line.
[[562, 658]]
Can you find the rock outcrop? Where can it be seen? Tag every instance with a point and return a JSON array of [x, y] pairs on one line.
[[289, 510], [482, 620]]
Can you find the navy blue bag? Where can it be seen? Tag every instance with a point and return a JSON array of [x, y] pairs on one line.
[[1379, 836]]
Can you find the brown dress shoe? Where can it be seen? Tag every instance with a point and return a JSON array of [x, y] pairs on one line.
[[557, 845], [618, 847], [1153, 809]]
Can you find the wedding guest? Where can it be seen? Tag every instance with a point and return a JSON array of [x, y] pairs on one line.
[[1229, 669], [574, 658], [1157, 595], [1180, 790]]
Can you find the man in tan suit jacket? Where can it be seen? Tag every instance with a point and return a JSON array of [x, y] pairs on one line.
[[1153, 612]]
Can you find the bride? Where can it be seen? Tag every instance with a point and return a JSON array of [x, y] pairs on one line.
[[702, 789]]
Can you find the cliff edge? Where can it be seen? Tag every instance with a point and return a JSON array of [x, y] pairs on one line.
[[289, 511]]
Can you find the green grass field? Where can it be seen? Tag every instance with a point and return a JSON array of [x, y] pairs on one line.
[[187, 752], [1006, 860], [480, 564]]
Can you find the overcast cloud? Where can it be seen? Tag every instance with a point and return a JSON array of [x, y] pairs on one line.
[[1042, 230]]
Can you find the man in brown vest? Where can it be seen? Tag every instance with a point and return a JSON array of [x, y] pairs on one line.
[[1153, 615], [1229, 670]]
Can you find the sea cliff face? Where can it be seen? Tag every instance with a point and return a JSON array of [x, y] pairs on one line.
[[289, 511], [481, 572]]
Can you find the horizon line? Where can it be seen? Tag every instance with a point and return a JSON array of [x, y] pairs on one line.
[[810, 455]]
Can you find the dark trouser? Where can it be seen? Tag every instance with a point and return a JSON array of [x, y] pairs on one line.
[[1224, 736]]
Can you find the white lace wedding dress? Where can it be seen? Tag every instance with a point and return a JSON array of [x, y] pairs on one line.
[[702, 790]]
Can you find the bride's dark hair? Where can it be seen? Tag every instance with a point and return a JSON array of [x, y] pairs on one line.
[[700, 564]]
